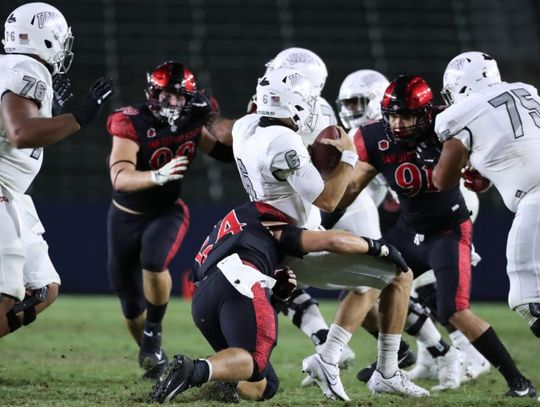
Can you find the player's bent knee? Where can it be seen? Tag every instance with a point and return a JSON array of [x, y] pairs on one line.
[[132, 308]]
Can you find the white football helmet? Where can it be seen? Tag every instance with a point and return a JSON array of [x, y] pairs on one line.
[[40, 29], [305, 61], [360, 97], [467, 73], [286, 93]]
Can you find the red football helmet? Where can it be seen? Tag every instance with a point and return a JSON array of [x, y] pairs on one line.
[[408, 96], [175, 78]]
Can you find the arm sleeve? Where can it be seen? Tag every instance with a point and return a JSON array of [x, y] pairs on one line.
[[289, 241]]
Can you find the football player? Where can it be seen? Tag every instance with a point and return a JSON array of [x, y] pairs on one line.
[[37, 41], [275, 168], [240, 285], [153, 146], [494, 125], [434, 230]]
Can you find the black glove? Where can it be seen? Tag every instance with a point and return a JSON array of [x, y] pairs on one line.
[[379, 248], [285, 284], [100, 91], [428, 153], [61, 93]]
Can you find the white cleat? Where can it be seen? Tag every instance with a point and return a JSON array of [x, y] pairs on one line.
[[448, 370], [475, 363], [346, 359], [326, 376], [397, 384], [425, 367]]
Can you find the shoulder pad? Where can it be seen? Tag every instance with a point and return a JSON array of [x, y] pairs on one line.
[[119, 124]]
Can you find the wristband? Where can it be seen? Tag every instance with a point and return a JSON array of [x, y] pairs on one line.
[[349, 157]]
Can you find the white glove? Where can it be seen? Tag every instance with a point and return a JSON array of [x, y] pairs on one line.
[[171, 171]]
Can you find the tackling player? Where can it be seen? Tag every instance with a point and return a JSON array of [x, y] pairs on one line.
[[240, 285], [37, 41], [153, 146]]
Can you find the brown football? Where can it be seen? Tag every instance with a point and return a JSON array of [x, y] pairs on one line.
[[324, 156]]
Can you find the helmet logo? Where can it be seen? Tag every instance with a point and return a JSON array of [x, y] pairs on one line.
[[43, 18]]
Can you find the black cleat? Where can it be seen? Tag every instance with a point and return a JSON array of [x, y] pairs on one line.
[[177, 379], [521, 387], [152, 357], [405, 360]]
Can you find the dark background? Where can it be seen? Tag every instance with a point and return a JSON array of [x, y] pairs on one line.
[[226, 44]]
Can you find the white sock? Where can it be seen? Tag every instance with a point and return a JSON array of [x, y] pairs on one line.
[[429, 335], [312, 319], [387, 354], [337, 339], [459, 340]]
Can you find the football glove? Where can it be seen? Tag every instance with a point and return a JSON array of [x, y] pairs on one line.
[[100, 91], [61, 93], [428, 153], [474, 181], [285, 284], [379, 248], [172, 171]]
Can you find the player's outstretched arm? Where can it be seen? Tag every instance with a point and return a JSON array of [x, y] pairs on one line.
[[453, 158]]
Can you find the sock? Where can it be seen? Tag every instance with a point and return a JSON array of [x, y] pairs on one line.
[[335, 342], [387, 354], [491, 347], [305, 314], [459, 340], [155, 313], [202, 372]]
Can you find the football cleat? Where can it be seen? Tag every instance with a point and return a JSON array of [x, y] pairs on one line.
[[448, 370], [326, 376], [397, 384], [346, 359], [425, 367], [405, 360], [475, 364], [152, 357], [521, 387], [176, 380]]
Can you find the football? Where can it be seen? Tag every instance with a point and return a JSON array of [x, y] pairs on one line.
[[324, 156]]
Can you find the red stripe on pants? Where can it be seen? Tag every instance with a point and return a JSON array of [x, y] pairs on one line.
[[266, 326], [464, 267], [180, 234]]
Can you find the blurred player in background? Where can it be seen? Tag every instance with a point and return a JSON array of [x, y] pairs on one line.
[[37, 41], [281, 174], [153, 146], [495, 126], [434, 230]]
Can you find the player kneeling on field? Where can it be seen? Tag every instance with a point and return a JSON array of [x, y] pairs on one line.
[[239, 293]]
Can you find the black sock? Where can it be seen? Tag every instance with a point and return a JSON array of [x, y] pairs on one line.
[[319, 337], [491, 347], [155, 314], [439, 349], [201, 373]]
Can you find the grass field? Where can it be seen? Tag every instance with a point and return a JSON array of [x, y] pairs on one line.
[[78, 353]]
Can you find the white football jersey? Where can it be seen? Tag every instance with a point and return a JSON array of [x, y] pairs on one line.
[[323, 116], [29, 78], [275, 167], [500, 126]]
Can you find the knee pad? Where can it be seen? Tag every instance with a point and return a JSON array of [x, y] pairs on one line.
[[416, 317], [299, 302], [272, 385], [132, 308]]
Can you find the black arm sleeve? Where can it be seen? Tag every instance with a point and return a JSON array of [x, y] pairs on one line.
[[289, 241], [222, 152]]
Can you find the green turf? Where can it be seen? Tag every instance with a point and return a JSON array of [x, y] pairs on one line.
[[78, 353]]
